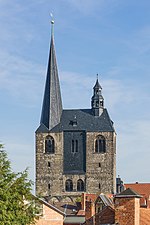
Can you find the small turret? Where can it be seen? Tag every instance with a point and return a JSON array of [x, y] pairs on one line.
[[97, 101]]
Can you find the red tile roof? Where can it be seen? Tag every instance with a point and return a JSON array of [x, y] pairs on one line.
[[144, 190], [91, 197]]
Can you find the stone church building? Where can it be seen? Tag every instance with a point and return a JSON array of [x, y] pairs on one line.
[[75, 148]]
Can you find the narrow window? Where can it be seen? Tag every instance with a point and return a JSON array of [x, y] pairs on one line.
[[80, 185], [49, 186], [99, 164], [69, 185], [49, 145], [72, 146], [49, 164], [99, 186], [96, 146], [76, 145]]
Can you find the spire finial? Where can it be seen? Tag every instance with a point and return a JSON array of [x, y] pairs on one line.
[[52, 23], [97, 76]]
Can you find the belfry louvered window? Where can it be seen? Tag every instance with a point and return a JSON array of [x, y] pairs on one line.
[[49, 145], [69, 185], [80, 185], [100, 144]]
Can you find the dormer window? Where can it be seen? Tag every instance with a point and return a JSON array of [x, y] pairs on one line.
[[73, 123]]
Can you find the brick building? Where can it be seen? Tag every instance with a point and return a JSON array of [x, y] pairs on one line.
[[127, 207], [75, 148], [121, 209], [49, 214]]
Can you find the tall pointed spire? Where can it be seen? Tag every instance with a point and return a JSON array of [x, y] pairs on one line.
[[52, 103]]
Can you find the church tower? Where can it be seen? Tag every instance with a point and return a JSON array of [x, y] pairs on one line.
[[75, 148]]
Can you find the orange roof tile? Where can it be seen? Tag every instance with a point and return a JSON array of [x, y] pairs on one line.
[[91, 197], [141, 188], [144, 190]]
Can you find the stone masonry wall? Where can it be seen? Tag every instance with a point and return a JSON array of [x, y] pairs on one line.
[[101, 167], [53, 175], [49, 175]]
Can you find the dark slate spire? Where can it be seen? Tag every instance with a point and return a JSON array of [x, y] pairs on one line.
[[52, 104], [97, 102]]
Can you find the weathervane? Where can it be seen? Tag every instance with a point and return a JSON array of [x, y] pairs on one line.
[[52, 23], [52, 18]]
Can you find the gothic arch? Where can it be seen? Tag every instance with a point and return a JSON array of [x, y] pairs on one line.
[[54, 199], [80, 185], [69, 185], [66, 199], [49, 145], [100, 144]]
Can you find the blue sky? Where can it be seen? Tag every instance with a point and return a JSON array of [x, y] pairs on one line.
[[108, 37]]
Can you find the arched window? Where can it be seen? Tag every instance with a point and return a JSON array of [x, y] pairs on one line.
[[100, 144], [49, 145], [80, 185], [69, 185]]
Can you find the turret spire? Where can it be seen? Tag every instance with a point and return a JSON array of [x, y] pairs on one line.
[[52, 103], [97, 102]]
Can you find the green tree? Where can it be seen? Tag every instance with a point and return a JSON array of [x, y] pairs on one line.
[[17, 206]]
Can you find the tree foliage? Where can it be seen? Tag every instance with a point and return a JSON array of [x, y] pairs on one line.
[[17, 206]]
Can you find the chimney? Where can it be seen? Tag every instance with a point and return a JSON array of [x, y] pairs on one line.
[[83, 201], [127, 207], [89, 209]]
